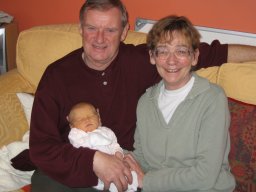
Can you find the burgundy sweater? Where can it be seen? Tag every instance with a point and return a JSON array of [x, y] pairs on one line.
[[115, 91]]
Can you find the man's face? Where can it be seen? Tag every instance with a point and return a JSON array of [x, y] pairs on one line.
[[102, 32]]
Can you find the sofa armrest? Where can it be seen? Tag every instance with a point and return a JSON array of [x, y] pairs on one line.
[[13, 123]]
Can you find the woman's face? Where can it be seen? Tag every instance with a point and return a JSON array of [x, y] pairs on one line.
[[173, 60]]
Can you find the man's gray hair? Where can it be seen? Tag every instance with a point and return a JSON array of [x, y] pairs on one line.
[[104, 5]]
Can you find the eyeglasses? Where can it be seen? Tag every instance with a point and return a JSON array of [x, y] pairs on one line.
[[163, 52]]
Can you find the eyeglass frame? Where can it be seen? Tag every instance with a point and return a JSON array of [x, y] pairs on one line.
[[177, 54]]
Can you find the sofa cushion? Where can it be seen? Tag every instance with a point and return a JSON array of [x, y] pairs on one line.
[[135, 38], [237, 86], [210, 73], [242, 156], [26, 101], [50, 44], [12, 118], [22, 160]]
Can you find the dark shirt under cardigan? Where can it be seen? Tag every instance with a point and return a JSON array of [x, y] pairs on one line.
[[115, 91]]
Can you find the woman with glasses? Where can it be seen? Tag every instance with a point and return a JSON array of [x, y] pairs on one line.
[[182, 138]]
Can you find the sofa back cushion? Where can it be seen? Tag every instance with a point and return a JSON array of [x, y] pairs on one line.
[[39, 46], [239, 81], [210, 73]]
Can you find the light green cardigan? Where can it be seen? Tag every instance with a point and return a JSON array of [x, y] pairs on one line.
[[190, 153]]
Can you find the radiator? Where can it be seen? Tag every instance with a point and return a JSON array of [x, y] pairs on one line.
[[208, 34]]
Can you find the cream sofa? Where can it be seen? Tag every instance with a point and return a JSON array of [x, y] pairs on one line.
[[39, 46]]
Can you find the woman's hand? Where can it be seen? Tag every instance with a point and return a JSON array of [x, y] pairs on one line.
[[109, 168], [134, 165]]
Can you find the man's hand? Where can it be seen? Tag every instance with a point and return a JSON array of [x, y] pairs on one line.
[[110, 169], [119, 155]]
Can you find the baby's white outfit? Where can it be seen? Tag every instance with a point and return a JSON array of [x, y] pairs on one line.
[[104, 140]]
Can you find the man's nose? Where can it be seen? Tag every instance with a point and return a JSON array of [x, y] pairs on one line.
[[100, 36]]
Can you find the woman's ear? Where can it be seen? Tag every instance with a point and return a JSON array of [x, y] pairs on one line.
[[196, 56], [152, 57]]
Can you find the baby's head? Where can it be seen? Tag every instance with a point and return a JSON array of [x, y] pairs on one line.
[[84, 116]]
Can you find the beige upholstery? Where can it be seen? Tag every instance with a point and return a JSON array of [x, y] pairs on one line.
[[12, 119], [39, 46], [239, 81]]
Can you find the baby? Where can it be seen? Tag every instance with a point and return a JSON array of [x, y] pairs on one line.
[[86, 131]]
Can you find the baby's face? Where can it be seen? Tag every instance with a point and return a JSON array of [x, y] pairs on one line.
[[86, 118]]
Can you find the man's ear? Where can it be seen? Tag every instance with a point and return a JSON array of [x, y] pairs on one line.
[[152, 57], [80, 29], [125, 32]]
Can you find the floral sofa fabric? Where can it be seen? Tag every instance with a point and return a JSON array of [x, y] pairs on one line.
[[243, 152]]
